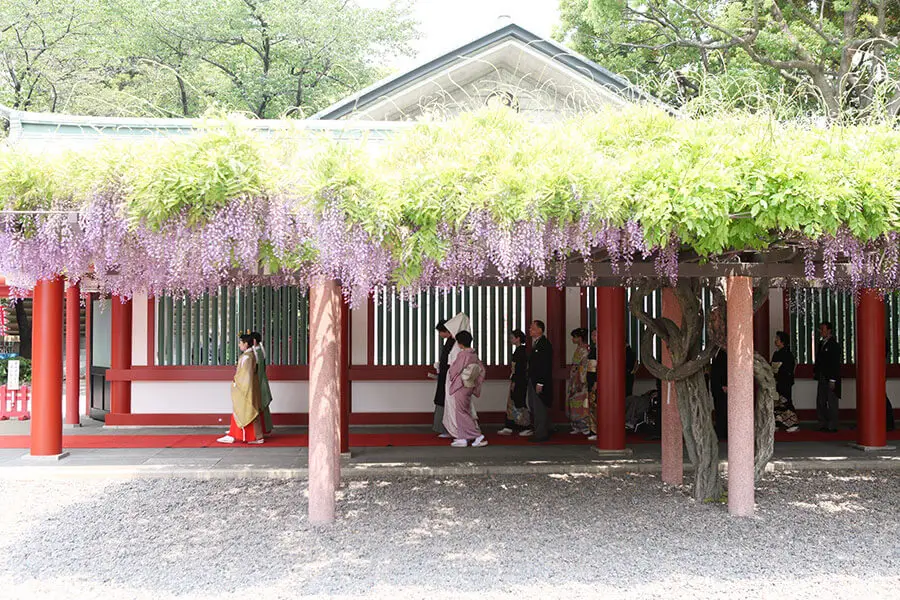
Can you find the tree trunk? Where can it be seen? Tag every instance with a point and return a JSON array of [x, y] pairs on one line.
[[24, 330], [183, 96], [764, 416], [695, 407]]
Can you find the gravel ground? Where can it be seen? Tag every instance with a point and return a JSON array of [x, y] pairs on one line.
[[816, 535]]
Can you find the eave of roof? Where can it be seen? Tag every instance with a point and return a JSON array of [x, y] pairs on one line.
[[54, 126], [549, 48]]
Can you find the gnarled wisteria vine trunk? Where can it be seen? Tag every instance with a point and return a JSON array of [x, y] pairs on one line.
[[689, 362], [764, 414]]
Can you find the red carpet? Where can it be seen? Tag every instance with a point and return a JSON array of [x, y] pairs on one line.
[[358, 440], [371, 440]]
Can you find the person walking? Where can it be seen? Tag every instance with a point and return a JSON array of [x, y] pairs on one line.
[[540, 382], [827, 372], [466, 376], [441, 367], [456, 325], [265, 392], [783, 363], [517, 415], [246, 426]]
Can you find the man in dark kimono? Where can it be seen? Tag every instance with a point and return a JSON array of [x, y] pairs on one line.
[[784, 359], [540, 382], [827, 372], [718, 387], [517, 415], [441, 368], [630, 368]]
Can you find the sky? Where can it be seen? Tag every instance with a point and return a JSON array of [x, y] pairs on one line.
[[447, 24]]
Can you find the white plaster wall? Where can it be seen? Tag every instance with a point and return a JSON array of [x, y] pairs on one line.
[[418, 396], [573, 320], [139, 318], [148, 397], [538, 305]]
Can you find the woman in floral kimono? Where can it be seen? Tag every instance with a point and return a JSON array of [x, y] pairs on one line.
[[246, 425], [577, 392], [465, 377], [592, 385]]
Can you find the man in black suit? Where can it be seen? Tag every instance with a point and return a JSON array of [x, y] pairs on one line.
[[827, 371], [540, 382]]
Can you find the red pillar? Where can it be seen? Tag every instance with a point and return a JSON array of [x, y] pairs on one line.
[[741, 490], [345, 378], [870, 370], [611, 368], [46, 397], [73, 354], [761, 342], [120, 355], [324, 399], [672, 436]]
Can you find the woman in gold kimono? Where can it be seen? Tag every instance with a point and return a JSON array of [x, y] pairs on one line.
[[246, 424], [578, 398]]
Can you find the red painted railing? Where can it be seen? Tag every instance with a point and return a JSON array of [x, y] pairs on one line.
[[15, 404]]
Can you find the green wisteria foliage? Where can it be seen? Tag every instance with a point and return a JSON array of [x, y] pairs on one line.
[[489, 194]]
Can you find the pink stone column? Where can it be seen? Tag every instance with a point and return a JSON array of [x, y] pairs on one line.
[[324, 399], [672, 442], [741, 491]]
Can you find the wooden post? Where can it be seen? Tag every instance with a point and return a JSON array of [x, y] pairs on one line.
[[611, 368], [741, 492], [47, 377], [120, 354], [870, 371], [672, 435], [324, 399], [345, 378]]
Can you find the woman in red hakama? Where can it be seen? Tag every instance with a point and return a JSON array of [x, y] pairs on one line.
[[246, 425]]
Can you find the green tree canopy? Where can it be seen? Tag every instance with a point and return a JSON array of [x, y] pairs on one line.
[[172, 58], [838, 58]]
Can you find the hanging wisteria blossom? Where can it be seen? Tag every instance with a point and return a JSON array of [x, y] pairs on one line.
[[486, 197]]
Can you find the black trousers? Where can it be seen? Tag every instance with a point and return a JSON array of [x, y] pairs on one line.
[[720, 403], [540, 414], [827, 402]]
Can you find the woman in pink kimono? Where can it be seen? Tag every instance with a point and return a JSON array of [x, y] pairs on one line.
[[465, 378], [454, 326]]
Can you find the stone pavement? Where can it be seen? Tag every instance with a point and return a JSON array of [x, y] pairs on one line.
[[262, 462]]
